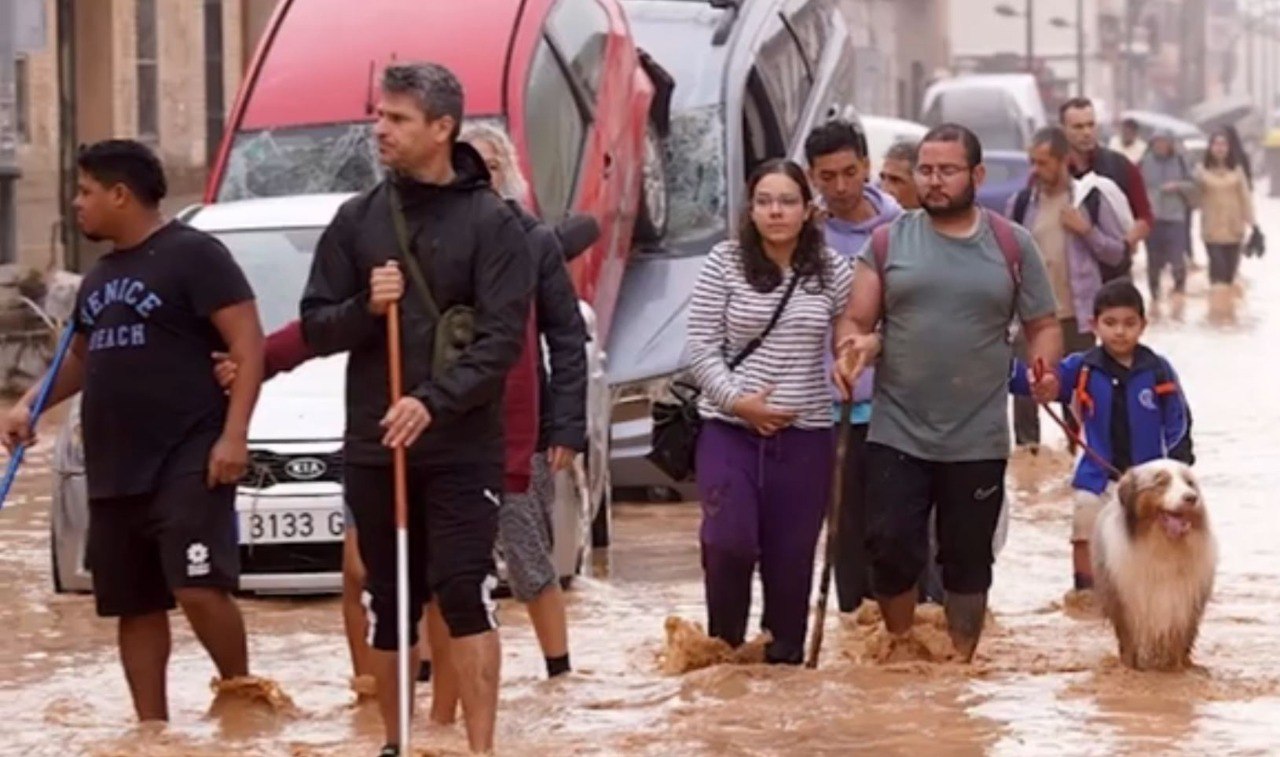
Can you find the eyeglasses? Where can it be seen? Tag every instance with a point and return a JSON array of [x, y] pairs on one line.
[[788, 202], [945, 172]]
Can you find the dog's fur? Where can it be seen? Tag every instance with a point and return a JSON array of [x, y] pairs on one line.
[[1154, 558]]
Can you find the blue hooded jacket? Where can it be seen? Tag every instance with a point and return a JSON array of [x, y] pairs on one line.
[[848, 238], [1159, 416]]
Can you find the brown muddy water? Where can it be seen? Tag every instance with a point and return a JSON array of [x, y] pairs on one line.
[[1046, 680]]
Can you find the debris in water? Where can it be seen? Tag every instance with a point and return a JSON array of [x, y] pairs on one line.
[[690, 648], [250, 690], [868, 641]]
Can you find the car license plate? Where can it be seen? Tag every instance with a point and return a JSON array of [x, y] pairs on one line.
[[290, 525]]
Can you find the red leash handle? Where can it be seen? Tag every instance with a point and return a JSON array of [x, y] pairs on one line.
[[1038, 371]]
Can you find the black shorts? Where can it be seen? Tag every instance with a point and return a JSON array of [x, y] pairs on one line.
[[452, 530], [901, 493], [144, 547]]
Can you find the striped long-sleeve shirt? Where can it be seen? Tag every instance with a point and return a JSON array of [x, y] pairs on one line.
[[726, 313]]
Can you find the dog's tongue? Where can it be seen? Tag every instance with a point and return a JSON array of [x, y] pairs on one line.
[[1174, 526]]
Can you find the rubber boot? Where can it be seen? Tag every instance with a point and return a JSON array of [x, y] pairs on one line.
[[966, 614]]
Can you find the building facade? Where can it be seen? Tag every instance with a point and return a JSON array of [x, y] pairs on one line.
[[162, 71]]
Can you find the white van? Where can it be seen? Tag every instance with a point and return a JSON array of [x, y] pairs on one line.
[[1004, 110]]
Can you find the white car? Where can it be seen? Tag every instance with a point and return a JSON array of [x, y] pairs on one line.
[[290, 504], [883, 132]]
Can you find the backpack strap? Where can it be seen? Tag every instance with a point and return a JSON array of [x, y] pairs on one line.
[[880, 251], [1007, 240], [1020, 203], [1093, 204]]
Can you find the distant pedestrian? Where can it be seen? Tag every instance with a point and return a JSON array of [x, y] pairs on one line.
[[1226, 216], [1129, 141], [1169, 181], [164, 445], [897, 174], [759, 327]]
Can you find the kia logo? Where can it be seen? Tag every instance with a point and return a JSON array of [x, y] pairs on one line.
[[305, 468]]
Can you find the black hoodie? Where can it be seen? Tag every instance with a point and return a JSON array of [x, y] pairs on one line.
[[472, 251], [562, 399]]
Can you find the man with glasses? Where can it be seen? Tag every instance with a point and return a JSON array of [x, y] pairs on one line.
[[933, 300]]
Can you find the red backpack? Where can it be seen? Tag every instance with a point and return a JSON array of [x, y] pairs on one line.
[[1005, 238]]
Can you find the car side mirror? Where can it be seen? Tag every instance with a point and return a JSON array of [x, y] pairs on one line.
[[577, 233]]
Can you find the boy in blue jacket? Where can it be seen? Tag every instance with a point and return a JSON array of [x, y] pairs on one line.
[[1131, 408]]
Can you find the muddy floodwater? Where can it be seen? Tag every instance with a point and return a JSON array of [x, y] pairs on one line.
[[1046, 680]]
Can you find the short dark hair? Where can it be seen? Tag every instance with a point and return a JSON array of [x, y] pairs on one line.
[[832, 137], [127, 162], [957, 133], [905, 150], [1055, 137], [1075, 103], [1131, 123], [435, 87], [1119, 293]]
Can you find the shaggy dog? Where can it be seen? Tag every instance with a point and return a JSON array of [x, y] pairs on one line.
[[1154, 558]]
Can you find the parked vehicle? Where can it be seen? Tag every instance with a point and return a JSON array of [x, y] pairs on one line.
[[1004, 110], [883, 132], [1008, 171], [751, 81], [290, 503]]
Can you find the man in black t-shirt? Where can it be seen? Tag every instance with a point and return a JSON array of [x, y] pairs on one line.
[[164, 446]]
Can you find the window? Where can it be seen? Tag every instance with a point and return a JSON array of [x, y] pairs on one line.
[[579, 29], [22, 99], [148, 80], [555, 131], [214, 93], [761, 136], [784, 73]]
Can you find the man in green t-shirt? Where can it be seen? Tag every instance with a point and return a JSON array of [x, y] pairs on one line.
[[943, 297]]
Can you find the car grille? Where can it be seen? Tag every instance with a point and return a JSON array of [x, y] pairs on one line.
[[321, 557], [266, 469]]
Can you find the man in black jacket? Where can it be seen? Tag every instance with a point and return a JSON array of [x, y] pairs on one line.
[[472, 252]]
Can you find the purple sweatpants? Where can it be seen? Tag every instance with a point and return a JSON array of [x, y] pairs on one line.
[[763, 501]]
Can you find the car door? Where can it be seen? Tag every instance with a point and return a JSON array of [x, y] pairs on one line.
[[577, 124]]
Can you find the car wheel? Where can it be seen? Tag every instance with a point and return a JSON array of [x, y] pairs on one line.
[[651, 219]]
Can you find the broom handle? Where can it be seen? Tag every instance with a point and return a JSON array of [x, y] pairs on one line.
[[402, 531], [38, 407]]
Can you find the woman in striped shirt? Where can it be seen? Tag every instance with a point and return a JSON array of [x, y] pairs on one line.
[[765, 452]]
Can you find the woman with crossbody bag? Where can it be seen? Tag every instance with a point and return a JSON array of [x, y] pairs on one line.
[[759, 325]]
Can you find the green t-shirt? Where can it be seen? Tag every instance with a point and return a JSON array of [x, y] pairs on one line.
[[942, 383]]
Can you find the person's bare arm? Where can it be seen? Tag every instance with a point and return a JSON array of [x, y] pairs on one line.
[[241, 330], [17, 422], [70, 378], [1044, 348], [866, 302]]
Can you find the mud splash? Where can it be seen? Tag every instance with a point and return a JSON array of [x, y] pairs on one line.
[[689, 648]]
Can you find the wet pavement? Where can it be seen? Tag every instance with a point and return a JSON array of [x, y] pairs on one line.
[[1046, 680]]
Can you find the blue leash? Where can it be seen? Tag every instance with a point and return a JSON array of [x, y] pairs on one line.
[[42, 397]]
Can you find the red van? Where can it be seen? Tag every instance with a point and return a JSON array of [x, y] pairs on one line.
[[563, 76]]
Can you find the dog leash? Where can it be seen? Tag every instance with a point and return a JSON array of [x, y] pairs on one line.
[[1074, 436]]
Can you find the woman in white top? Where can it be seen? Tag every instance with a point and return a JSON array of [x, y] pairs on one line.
[[765, 451]]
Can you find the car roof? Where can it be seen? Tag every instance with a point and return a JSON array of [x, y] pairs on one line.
[[677, 33], [1153, 120], [344, 44], [289, 212]]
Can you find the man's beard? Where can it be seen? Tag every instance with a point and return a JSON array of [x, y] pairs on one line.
[[958, 206]]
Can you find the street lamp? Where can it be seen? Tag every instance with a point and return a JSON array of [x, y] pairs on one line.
[[1008, 11]]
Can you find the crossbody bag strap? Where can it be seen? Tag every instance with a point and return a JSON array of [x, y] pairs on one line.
[[755, 343], [406, 251]]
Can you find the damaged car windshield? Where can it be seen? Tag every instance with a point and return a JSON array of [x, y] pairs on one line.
[[695, 166], [299, 160]]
